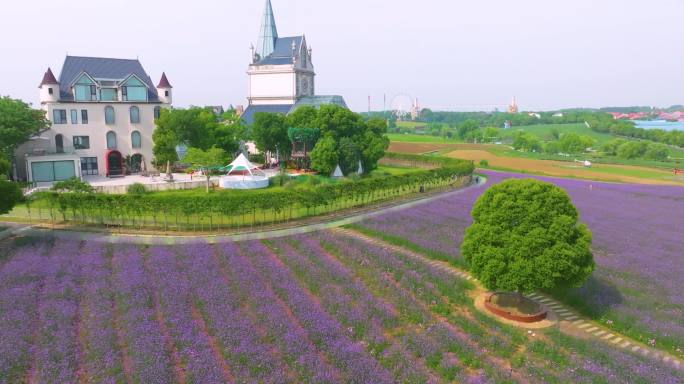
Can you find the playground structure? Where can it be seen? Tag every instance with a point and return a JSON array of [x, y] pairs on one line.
[[242, 174]]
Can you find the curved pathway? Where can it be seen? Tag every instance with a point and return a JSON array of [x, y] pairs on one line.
[[569, 320], [257, 235]]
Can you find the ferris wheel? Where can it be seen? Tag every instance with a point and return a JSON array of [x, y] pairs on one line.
[[401, 105]]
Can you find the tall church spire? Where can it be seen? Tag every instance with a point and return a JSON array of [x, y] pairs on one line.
[[269, 33]]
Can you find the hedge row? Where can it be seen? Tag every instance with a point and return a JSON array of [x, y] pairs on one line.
[[86, 206]]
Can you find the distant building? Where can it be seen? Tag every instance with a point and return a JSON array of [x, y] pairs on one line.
[[281, 74], [513, 107], [102, 110], [415, 110], [217, 109]]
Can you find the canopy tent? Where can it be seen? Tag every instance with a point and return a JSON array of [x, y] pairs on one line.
[[241, 174], [242, 165], [337, 172]]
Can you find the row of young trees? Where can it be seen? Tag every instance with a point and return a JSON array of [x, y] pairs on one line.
[[96, 207]]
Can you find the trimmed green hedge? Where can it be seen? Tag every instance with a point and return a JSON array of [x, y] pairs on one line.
[[271, 205]]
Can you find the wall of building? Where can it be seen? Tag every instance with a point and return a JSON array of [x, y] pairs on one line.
[[272, 86]]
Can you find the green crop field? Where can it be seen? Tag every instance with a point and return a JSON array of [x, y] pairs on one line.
[[544, 131], [410, 138]]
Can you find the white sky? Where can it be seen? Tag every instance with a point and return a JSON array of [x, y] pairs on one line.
[[451, 54]]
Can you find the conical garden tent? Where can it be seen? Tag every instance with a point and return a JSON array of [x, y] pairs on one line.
[[242, 174]]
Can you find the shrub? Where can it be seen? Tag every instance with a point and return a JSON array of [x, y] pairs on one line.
[[73, 184], [10, 195], [279, 180], [525, 237], [4, 168], [136, 189], [484, 163]]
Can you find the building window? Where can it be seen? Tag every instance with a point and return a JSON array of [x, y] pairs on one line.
[[50, 91], [135, 115], [59, 144], [93, 93], [109, 115], [166, 93], [111, 140], [136, 139], [84, 116], [59, 116], [74, 116], [81, 142], [89, 166], [157, 113], [108, 94]]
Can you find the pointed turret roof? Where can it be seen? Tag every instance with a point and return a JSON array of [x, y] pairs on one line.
[[268, 34], [164, 82], [49, 78]]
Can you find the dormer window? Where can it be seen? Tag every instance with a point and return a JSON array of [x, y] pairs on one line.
[[85, 89], [132, 89]]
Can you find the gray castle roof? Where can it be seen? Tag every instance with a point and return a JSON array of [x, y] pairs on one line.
[[102, 68], [314, 101], [282, 54]]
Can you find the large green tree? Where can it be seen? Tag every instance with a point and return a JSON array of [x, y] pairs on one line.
[[165, 142], [201, 128], [525, 236], [324, 157], [269, 132], [355, 138], [18, 122]]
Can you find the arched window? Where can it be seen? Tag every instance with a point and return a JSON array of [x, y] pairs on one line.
[[59, 144], [109, 115], [136, 139], [135, 115], [157, 112], [111, 140]]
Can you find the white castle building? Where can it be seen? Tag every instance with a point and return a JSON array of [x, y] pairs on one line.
[[102, 110], [281, 74]]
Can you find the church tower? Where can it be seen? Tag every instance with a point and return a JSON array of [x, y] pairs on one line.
[[281, 73], [268, 34]]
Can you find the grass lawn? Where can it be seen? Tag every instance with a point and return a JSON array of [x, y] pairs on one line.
[[543, 131], [395, 170], [412, 138], [411, 124]]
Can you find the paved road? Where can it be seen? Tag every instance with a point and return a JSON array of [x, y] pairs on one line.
[[269, 234]]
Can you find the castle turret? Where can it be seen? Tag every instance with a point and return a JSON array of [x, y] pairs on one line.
[[165, 90], [49, 88]]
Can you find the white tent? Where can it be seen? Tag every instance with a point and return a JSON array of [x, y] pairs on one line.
[[241, 164], [249, 177], [338, 172]]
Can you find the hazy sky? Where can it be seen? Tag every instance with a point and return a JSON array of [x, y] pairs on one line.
[[451, 54]]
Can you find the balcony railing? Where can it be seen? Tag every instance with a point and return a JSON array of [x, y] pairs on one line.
[[65, 150]]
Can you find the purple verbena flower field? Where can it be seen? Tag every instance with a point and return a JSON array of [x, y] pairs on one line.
[[638, 243], [317, 308]]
